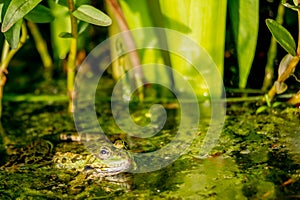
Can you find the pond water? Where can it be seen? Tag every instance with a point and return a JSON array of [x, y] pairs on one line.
[[257, 156]]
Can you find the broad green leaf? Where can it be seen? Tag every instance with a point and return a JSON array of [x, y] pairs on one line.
[[204, 22], [92, 15], [61, 23], [296, 2], [282, 36], [40, 14], [244, 15], [17, 10], [137, 15], [13, 34]]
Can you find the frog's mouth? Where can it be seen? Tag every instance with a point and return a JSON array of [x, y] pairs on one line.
[[111, 168]]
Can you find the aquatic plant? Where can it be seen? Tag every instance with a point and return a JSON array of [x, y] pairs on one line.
[[86, 14], [204, 22], [14, 15], [291, 59]]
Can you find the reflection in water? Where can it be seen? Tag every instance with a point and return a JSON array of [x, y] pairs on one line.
[[212, 178], [293, 143]]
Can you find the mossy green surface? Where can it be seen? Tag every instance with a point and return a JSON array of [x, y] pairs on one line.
[[257, 157]]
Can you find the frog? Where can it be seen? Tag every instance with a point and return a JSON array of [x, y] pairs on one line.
[[96, 161], [68, 167], [100, 160], [103, 161]]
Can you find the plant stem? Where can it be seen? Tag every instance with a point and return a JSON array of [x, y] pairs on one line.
[[5, 50], [128, 40], [296, 99], [285, 75], [72, 55], [298, 47], [40, 44], [272, 52], [7, 55], [291, 67]]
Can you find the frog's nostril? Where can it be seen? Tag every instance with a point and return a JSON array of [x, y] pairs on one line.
[[63, 160]]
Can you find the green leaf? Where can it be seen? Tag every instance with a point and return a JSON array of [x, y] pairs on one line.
[[291, 6], [282, 36], [204, 22], [244, 15], [40, 14], [276, 104], [17, 10], [65, 35], [81, 2], [261, 109], [60, 45], [92, 15], [77, 2], [82, 26], [288, 5], [296, 2], [1, 10], [62, 2], [13, 34]]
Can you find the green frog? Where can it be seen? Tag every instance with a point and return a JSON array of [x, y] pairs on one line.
[[103, 164], [103, 161], [80, 171]]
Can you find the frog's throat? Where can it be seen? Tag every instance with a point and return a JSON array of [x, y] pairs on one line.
[[112, 168]]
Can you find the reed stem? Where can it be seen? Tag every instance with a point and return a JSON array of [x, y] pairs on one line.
[[72, 56]]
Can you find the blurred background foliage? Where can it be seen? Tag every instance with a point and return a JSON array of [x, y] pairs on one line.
[[233, 32]]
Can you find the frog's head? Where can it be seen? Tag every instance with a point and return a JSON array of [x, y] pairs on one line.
[[108, 161]]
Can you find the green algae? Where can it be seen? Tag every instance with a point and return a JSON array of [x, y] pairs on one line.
[[257, 157]]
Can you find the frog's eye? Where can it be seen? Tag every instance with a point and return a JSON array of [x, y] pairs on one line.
[[87, 168], [104, 153]]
